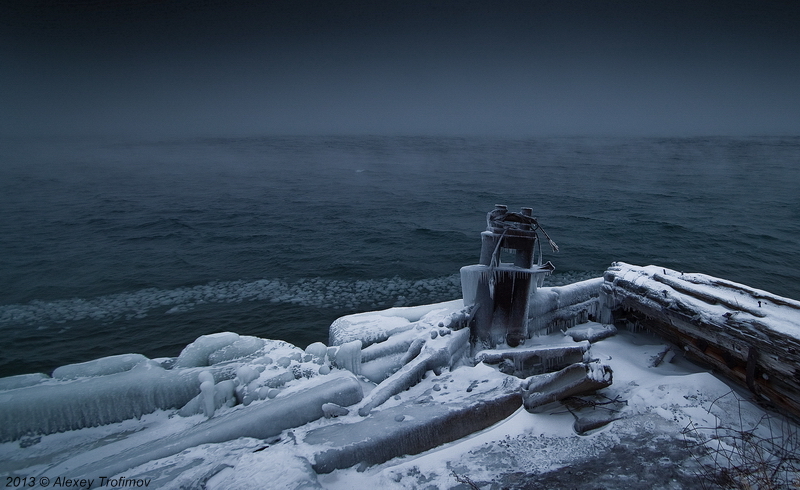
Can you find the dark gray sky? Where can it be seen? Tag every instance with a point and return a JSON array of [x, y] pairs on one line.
[[180, 67]]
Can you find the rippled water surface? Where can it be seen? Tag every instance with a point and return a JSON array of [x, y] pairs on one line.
[[110, 246]]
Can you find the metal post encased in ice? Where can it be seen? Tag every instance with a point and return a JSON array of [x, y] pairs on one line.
[[501, 290]]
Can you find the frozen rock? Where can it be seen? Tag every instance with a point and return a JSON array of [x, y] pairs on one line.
[[207, 397], [368, 328], [318, 352], [279, 380], [263, 360], [205, 376], [332, 410], [99, 367], [223, 397], [348, 356], [246, 374], [377, 326], [278, 467]]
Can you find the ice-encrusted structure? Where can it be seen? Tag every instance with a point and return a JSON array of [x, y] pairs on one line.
[[393, 368], [499, 291]]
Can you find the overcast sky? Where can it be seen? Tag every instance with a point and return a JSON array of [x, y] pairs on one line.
[[180, 67]]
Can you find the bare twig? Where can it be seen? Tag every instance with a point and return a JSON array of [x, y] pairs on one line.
[[764, 456], [465, 480]]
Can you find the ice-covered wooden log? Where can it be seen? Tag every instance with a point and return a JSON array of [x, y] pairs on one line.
[[436, 411], [377, 326], [260, 420], [528, 361], [572, 380], [112, 389], [746, 334], [56, 406], [440, 353], [590, 331], [551, 309]]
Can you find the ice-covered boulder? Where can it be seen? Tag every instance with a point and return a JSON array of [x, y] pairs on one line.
[[222, 395], [377, 326], [278, 468], [244, 346]]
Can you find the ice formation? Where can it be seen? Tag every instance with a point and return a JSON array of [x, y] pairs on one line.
[[262, 421], [99, 367], [438, 410], [590, 331], [406, 381], [254, 406], [116, 388], [500, 291], [61, 405]]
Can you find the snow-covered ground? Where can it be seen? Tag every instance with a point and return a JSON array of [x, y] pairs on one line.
[[265, 414]]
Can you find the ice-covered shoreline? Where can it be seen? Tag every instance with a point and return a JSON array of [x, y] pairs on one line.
[[400, 399]]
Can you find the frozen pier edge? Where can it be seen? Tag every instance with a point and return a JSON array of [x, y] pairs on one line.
[[515, 371]]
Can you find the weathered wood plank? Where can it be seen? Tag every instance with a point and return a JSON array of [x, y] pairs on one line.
[[747, 335]]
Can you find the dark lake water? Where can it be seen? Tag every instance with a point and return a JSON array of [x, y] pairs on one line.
[[110, 246]]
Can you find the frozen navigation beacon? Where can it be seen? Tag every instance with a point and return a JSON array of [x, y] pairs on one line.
[[498, 290]]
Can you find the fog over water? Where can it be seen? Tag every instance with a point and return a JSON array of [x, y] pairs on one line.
[[314, 67]]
